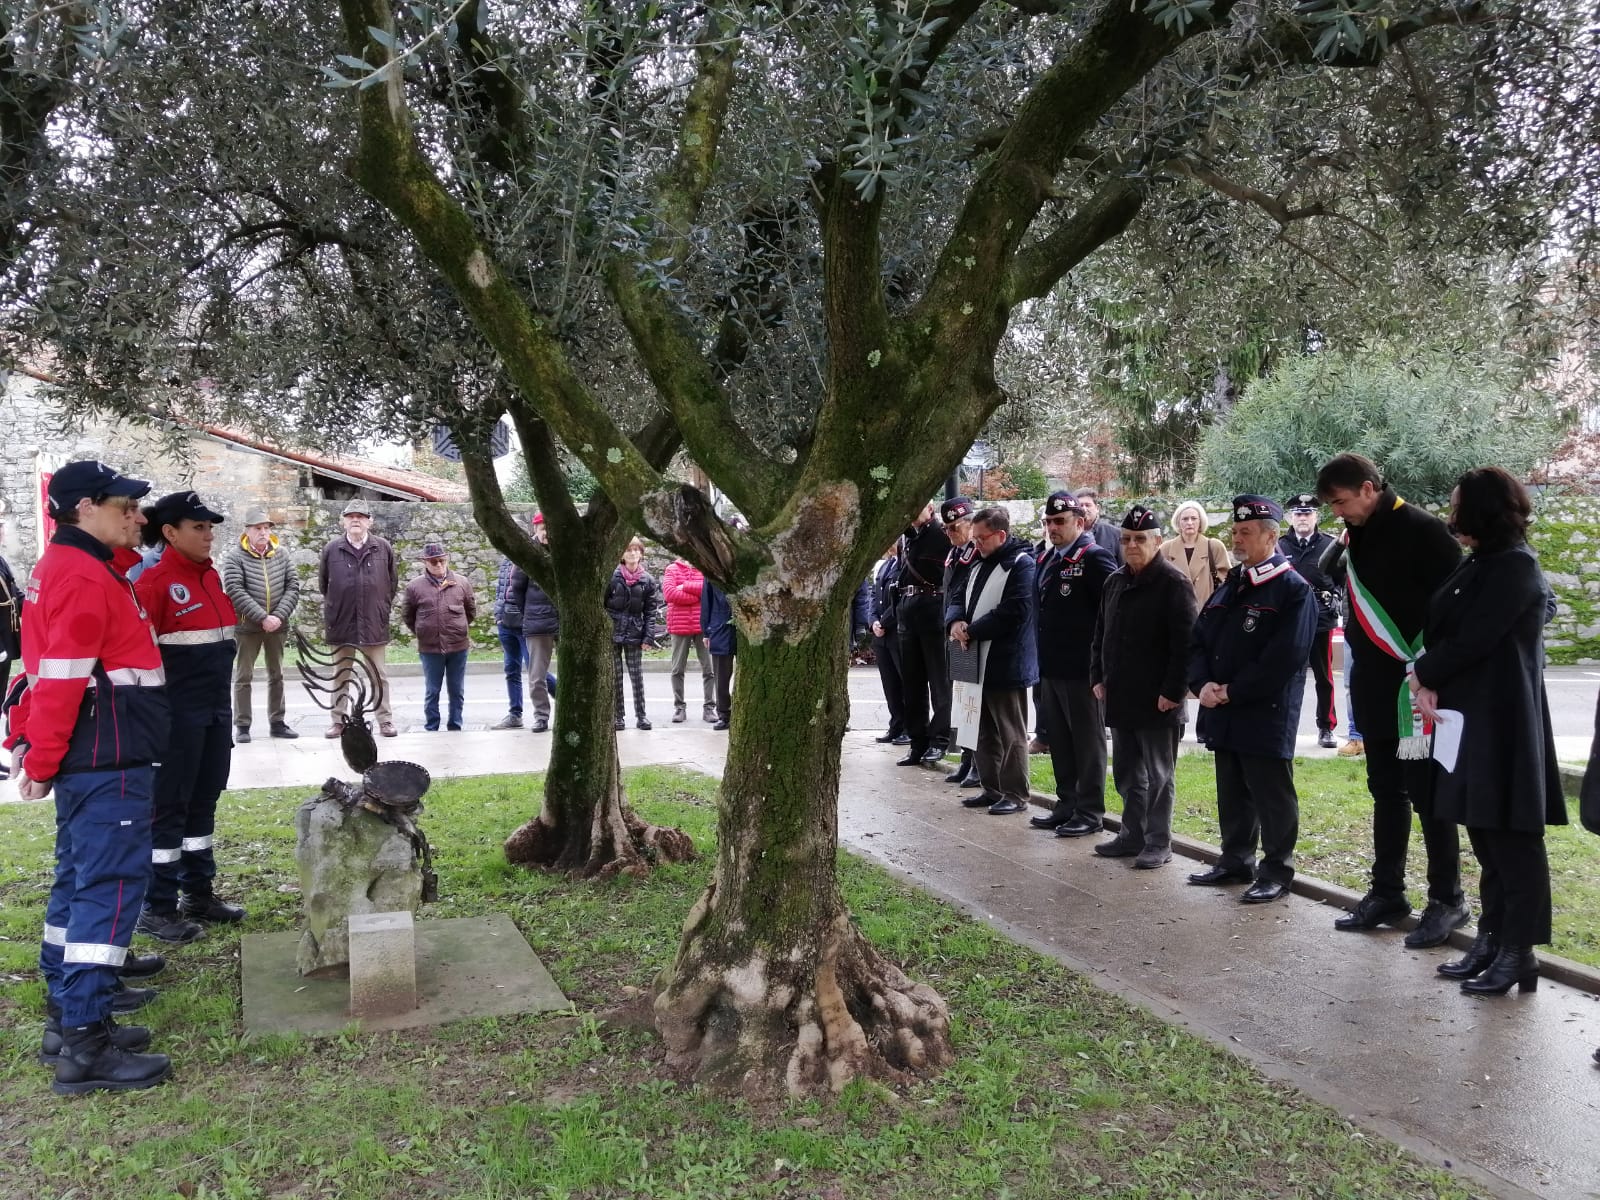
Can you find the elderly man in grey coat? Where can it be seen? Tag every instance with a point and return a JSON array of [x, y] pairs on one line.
[[262, 584]]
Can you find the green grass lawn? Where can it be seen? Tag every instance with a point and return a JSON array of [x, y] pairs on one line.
[[1336, 840], [1060, 1090]]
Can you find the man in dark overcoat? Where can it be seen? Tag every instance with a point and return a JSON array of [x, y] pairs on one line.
[[924, 675], [996, 612], [1072, 720], [1304, 546], [1247, 666], [1139, 659], [956, 513], [886, 644], [1398, 555]]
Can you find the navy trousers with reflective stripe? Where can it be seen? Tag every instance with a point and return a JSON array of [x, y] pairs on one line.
[[102, 862], [188, 782]]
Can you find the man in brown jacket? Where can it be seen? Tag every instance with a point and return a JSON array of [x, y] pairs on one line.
[[359, 580], [439, 608]]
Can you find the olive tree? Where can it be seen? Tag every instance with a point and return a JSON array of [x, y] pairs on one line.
[[901, 177]]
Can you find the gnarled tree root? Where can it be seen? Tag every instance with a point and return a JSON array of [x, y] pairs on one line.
[[617, 842], [806, 1022]]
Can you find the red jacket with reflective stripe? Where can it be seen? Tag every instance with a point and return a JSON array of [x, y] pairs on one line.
[[194, 622], [96, 698]]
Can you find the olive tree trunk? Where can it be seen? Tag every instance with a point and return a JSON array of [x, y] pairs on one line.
[[772, 982], [585, 825]]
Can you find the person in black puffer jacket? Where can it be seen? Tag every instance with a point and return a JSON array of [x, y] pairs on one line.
[[632, 599], [541, 626]]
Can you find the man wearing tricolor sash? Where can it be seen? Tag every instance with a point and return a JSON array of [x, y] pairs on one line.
[[1398, 555], [997, 612]]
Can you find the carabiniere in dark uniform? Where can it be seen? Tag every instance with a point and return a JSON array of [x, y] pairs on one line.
[[1306, 555], [1251, 640]]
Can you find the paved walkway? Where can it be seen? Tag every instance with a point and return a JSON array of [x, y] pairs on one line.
[[1500, 1089]]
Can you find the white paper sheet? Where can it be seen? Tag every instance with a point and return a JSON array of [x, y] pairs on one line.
[[1447, 732]]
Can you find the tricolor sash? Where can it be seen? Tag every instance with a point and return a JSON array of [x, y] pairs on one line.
[[1386, 636]]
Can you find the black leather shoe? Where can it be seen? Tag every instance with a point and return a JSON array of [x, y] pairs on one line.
[[720, 725], [280, 729], [141, 966], [1079, 826], [127, 999], [1436, 923], [241, 735], [642, 723], [1215, 876], [1051, 820], [1484, 948], [1371, 911], [901, 739], [933, 753], [913, 758], [619, 726], [981, 800], [1005, 806], [962, 767], [210, 910], [1116, 848], [1514, 964], [1327, 741], [886, 738], [1263, 891], [972, 780]]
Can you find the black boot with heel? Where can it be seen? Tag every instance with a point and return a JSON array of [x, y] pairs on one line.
[[1513, 965]]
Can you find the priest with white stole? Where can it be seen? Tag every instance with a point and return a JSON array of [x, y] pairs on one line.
[[996, 614]]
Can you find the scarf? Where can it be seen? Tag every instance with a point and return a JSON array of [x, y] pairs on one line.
[[1386, 636], [631, 577]]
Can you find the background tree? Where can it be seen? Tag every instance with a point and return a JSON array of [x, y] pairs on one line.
[[1422, 423]]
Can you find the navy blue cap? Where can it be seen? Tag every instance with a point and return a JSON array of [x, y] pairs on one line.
[[1062, 502], [1303, 503], [1140, 518], [180, 506], [957, 508], [89, 479], [1256, 508]]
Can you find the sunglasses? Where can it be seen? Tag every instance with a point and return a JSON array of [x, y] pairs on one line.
[[1055, 520]]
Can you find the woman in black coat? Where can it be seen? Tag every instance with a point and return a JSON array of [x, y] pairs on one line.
[[1484, 658], [632, 599]]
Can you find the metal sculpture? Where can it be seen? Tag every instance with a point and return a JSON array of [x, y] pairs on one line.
[[392, 791], [323, 675]]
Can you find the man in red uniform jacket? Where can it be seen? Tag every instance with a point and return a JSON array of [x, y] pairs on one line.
[[92, 722]]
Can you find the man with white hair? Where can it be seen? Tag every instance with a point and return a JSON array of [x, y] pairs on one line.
[[1247, 665]]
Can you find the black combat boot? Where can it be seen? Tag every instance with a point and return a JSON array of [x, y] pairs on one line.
[[208, 909], [1484, 949], [123, 1037], [90, 1061]]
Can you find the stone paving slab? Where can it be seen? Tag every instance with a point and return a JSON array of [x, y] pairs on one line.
[[466, 967]]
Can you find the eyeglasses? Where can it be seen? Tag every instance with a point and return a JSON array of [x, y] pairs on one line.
[[1055, 520]]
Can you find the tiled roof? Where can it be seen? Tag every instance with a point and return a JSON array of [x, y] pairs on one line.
[[403, 482]]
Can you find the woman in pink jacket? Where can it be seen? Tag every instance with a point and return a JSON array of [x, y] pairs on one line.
[[681, 585]]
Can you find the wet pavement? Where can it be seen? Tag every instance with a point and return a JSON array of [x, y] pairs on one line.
[[1502, 1089]]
